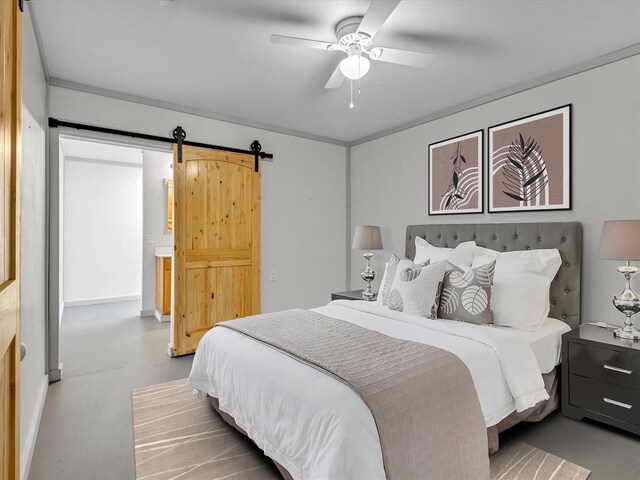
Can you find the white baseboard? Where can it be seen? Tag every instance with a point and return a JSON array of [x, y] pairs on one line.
[[147, 313], [30, 443], [162, 318], [97, 301]]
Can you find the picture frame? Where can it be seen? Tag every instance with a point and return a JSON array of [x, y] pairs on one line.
[[529, 163], [455, 172]]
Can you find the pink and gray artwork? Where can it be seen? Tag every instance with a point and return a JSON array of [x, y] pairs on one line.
[[529, 163], [455, 175]]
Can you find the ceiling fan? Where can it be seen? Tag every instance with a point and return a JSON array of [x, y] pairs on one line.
[[355, 38]]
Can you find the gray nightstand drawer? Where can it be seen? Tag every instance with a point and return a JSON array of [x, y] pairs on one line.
[[606, 399], [606, 365], [351, 295]]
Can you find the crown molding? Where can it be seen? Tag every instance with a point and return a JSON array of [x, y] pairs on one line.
[[519, 88], [80, 87]]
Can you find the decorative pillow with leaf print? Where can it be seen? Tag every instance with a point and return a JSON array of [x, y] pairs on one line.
[[466, 295], [415, 288], [390, 275]]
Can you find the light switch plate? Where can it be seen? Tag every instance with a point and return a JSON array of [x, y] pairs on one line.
[[272, 276], [149, 238]]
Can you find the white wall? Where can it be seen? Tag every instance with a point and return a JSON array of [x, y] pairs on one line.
[[156, 167], [303, 192], [389, 174], [102, 231], [33, 382]]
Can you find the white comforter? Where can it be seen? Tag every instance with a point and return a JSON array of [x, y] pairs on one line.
[[318, 428]]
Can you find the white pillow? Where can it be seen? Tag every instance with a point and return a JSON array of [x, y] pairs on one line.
[[416, 288], [461, 256], [520, 285], [387, 279]]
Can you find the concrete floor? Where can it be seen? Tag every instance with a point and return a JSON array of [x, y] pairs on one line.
[[609, 453], [86, 431]]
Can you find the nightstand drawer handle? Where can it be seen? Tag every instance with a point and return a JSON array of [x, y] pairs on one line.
[[617, 404], [618, 369]]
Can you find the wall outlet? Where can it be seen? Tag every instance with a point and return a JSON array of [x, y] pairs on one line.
[[149, 238], [272, 276]]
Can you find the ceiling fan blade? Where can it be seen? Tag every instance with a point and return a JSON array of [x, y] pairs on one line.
[[377, 14], [300, 42], [336, 78], [402, 57]]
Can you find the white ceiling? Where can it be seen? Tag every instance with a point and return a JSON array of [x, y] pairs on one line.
[[104, 152], [216, 56]]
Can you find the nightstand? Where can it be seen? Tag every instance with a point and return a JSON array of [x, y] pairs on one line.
[[601, 377], [352, 295]]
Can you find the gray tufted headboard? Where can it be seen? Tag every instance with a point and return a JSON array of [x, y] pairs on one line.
[[566, 237]]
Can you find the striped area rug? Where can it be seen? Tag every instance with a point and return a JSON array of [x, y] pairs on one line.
[[520, 461], [179, 437]]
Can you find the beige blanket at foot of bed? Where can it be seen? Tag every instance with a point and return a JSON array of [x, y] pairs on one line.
[[422, 398]]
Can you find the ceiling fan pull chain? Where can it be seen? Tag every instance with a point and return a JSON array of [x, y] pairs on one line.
[[351, 93], [359, 71]]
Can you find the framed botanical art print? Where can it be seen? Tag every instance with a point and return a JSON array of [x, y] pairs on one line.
[[530, 163], [455, 175]]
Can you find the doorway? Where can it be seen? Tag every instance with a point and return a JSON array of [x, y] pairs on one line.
[[112, 221], [217, 226], [102, 223]]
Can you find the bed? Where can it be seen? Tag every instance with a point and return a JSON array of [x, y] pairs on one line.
[[313, 426]]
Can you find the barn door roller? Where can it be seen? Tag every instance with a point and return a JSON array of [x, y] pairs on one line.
[[179, 135]]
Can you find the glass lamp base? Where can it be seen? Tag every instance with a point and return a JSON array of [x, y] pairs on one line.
[[630, 334], [368, 294], [627, 302], [368, 275]]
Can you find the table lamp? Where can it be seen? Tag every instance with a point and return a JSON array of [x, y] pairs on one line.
[[367, 237], [621, 241]]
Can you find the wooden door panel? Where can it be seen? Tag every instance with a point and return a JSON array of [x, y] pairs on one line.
[[198, 306], [215, 294], [5, 214], [8, 447], [230, 285], [10, 106], [216, 242], [219, 205], [9, 314], [7, 145]]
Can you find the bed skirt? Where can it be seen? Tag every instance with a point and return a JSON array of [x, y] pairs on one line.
[[533, 414], [231, 421]]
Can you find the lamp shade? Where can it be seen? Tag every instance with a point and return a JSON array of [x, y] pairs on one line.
[[620, 240], [367, 237]]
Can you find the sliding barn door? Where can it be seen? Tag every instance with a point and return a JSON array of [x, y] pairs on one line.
[[10, 105], [216, 242]]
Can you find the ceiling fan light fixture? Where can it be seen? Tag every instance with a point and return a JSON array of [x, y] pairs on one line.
[[355, 66]]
